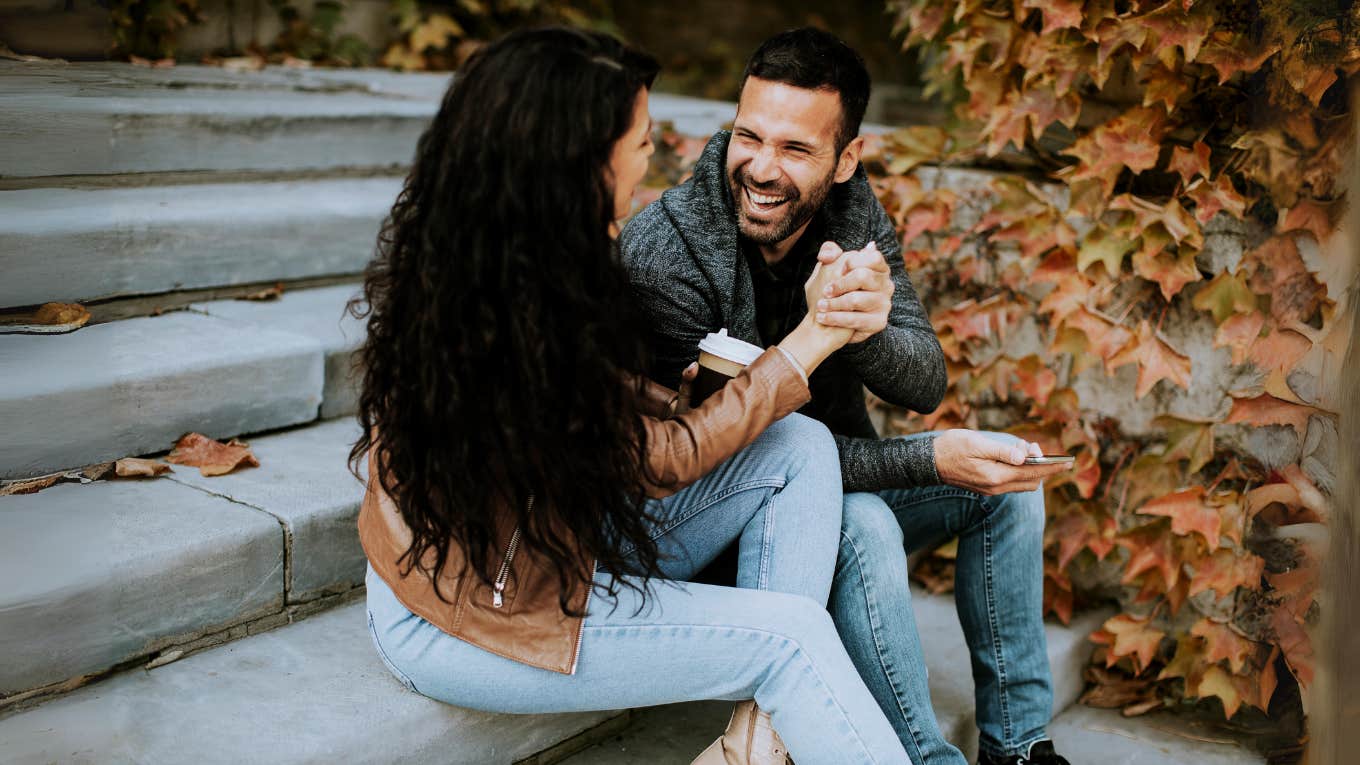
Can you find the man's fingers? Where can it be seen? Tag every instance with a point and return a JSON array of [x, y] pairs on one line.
[[690, 372], [861, 279], [864, 302], [1009, 453], [829, 252], [856, 320], [868, 258], [1034, 450]]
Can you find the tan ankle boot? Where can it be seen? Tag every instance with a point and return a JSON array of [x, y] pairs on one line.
[[750, 739]]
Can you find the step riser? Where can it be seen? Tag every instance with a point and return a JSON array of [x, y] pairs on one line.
[[115, 571], [62, 245], [109, 573], [138, 142], [134, 387]]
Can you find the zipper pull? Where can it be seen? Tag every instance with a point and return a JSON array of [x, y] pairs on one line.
[[496, 599]]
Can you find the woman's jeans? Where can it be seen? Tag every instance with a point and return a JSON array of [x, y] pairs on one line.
[[998, 592], [774, 641]]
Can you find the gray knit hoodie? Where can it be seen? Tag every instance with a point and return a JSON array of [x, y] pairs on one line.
[[687, 268]]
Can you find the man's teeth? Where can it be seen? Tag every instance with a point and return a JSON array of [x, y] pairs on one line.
[[761, 199]]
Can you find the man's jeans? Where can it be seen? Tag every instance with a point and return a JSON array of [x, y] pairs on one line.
[[998, 593]]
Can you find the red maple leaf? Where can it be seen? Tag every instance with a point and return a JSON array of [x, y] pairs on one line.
[[1266, 409], [1129, 636], [1224, 571], [1155, 359], [1132, 140]]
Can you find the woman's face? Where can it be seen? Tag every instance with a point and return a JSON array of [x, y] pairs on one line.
[[628, 162]]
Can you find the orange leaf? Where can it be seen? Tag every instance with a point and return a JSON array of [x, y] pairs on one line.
[[1149, 550], [1070, 295], [1317, 218], [1155, 359], [1171, 27], [1224, 571], [1295, 295], [1211, 198], [1230, 53], [1165, 87], [1188, 512], [1187, 163], [1132, 140], [1279, 351], [1169, 270], [1265, 409], [49, 318], [1221, 643], [1217, 682], [211, 457], [1238, 333], [1036, 379], [1106, 337], [133, 467], [1133, 638]]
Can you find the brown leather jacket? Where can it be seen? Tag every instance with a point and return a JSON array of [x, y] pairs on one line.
[[527, 625]]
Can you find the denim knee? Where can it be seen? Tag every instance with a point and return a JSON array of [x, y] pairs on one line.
[[868, 525], [1021, 512], [805, 437]]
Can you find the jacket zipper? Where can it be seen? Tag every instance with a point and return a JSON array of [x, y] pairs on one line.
[[502, 576], [581, 628]]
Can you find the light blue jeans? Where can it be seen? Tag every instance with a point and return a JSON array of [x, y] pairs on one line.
[[774, 642], [998, 592]]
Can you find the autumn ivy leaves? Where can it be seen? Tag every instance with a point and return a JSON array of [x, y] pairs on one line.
[[1175, 216]]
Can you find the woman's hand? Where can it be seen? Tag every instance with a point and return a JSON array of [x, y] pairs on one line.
[[810, 342], [686, 385]]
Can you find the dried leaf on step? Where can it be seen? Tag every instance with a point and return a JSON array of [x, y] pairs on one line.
[[211, 457], [49, 318], [30, 485], [268, 293], [135, 467]]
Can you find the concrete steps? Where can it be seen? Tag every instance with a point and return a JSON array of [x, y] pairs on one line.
[[78, 245], [312, 692], [105, 118], [112, 572], [133, 387]]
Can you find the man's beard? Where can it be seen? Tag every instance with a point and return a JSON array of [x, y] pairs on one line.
[[796, 210]]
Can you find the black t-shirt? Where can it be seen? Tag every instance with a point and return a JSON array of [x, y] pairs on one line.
[[780, 306]]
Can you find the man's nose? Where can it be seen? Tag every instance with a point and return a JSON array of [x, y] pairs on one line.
[[764, 166]]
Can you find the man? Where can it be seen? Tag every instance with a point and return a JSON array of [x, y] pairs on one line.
[[732, 248]]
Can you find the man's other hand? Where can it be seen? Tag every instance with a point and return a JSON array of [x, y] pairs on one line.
[[972, 460], [861, 296]]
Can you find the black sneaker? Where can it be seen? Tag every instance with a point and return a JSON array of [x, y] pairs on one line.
[[1040, 753]]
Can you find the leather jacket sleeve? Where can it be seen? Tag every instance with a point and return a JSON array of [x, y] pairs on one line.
[[684, 448]]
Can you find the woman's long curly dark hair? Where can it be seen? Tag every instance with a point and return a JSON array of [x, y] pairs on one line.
[[503, 353]]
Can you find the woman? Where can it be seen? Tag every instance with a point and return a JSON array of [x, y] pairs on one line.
[[530, 512]]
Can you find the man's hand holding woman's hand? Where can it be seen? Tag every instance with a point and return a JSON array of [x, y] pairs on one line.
[[974, 461], [859, 296]]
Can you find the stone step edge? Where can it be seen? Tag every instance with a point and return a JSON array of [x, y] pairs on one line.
[[182, 648], [581, 741]]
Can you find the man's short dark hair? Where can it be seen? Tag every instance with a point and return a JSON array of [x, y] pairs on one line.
[[816, 60]]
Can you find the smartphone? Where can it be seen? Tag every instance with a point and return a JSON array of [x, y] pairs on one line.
[[1049, 459]]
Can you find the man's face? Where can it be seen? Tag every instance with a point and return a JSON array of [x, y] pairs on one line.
[[782, 159]]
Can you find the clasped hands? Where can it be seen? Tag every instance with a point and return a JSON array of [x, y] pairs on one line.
[[853, 290]]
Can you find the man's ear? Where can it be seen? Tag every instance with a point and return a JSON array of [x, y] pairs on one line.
[[849, 159]]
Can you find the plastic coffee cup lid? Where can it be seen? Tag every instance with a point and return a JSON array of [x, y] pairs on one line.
[[721, 345]]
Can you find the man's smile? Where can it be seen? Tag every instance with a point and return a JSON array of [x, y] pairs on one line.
[[763, 203]]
